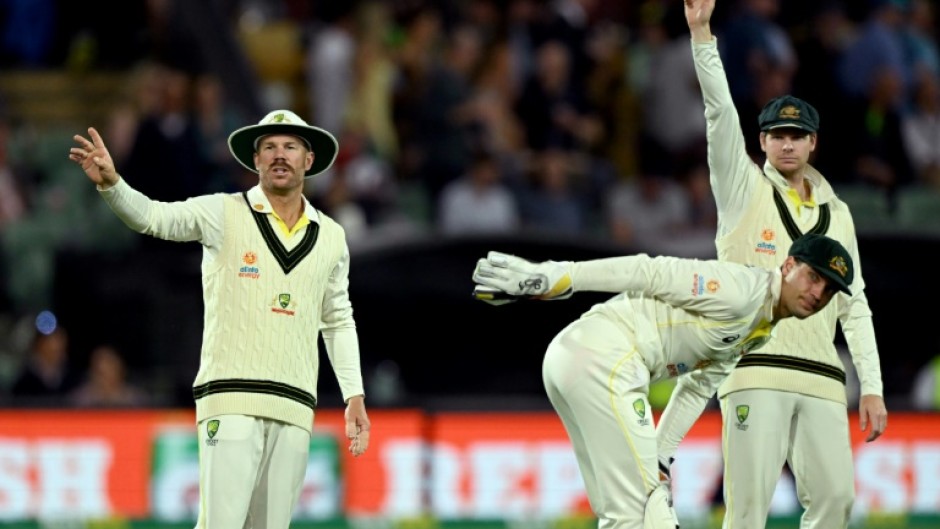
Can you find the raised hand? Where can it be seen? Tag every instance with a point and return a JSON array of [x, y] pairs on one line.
[[93, 157], [698, 13]]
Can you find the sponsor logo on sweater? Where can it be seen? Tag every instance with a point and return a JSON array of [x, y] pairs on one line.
[[682, 368], [249, 271], [767, 248], [767, 245], [700, 285]]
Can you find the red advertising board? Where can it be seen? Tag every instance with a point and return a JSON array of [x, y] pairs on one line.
[[142, 464], [54, 463]]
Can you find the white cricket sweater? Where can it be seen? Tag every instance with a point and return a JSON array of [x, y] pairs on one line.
[[757, 228], [266, 297]]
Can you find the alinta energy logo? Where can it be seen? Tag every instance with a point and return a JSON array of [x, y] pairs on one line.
[[766, 245], [698, 285], [249, 270]]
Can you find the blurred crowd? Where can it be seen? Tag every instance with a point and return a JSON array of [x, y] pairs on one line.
[[574, 118]]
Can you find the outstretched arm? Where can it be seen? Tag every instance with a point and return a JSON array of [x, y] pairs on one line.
[[196, 219], [676, 281], [93, 156]]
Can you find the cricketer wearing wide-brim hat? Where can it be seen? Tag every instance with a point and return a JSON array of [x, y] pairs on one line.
[[275, 279], [243, 143]]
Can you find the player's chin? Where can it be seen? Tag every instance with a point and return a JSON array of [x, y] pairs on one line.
[[803, 312], [789, 167]]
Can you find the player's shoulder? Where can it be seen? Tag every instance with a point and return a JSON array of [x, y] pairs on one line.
[[737, 276], [742, 284], [327, 223], [324, 218]]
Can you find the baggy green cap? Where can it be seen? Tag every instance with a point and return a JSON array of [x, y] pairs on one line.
[[788, 111], [828, 257]]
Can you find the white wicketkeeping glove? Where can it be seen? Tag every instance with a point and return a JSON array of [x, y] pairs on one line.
[[493, 296], [500, 278], [665, 479], [659, 512]]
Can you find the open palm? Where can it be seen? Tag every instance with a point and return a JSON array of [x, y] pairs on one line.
[[93, 156]]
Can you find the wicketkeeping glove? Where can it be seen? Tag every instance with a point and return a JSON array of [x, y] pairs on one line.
[[493, 296], [665, 479], [508, 276], [665, 472]]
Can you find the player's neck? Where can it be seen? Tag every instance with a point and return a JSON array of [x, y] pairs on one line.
[[288, 207], [798, 183], [780, 312]]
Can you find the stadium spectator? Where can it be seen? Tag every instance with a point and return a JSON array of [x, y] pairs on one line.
[[479, 202], [106, 383], [47, 376], [920, 130], [879, 46], [552, 202], [925, 393]]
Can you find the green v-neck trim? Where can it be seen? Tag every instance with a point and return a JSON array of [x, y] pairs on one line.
[[822, 223], [288, 259]]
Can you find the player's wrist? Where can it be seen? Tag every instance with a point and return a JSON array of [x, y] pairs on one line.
[[358, 396], [701, 34]]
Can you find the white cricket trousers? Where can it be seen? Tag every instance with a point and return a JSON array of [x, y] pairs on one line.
[[251, 471], [598, 384], [761, 429]]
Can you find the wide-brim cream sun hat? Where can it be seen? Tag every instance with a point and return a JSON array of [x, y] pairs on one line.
[[244, 142]]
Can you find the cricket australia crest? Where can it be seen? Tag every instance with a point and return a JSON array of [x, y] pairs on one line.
[[741, 412], [212, 428]]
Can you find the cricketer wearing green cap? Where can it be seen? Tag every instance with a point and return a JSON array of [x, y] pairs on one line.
[[788, 112], [795, 388], [827, 257], [690, 320]]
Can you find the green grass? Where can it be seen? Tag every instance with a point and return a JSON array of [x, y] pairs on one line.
[[901, 521]]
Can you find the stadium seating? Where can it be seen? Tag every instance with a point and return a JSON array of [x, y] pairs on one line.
[[918, 210]]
